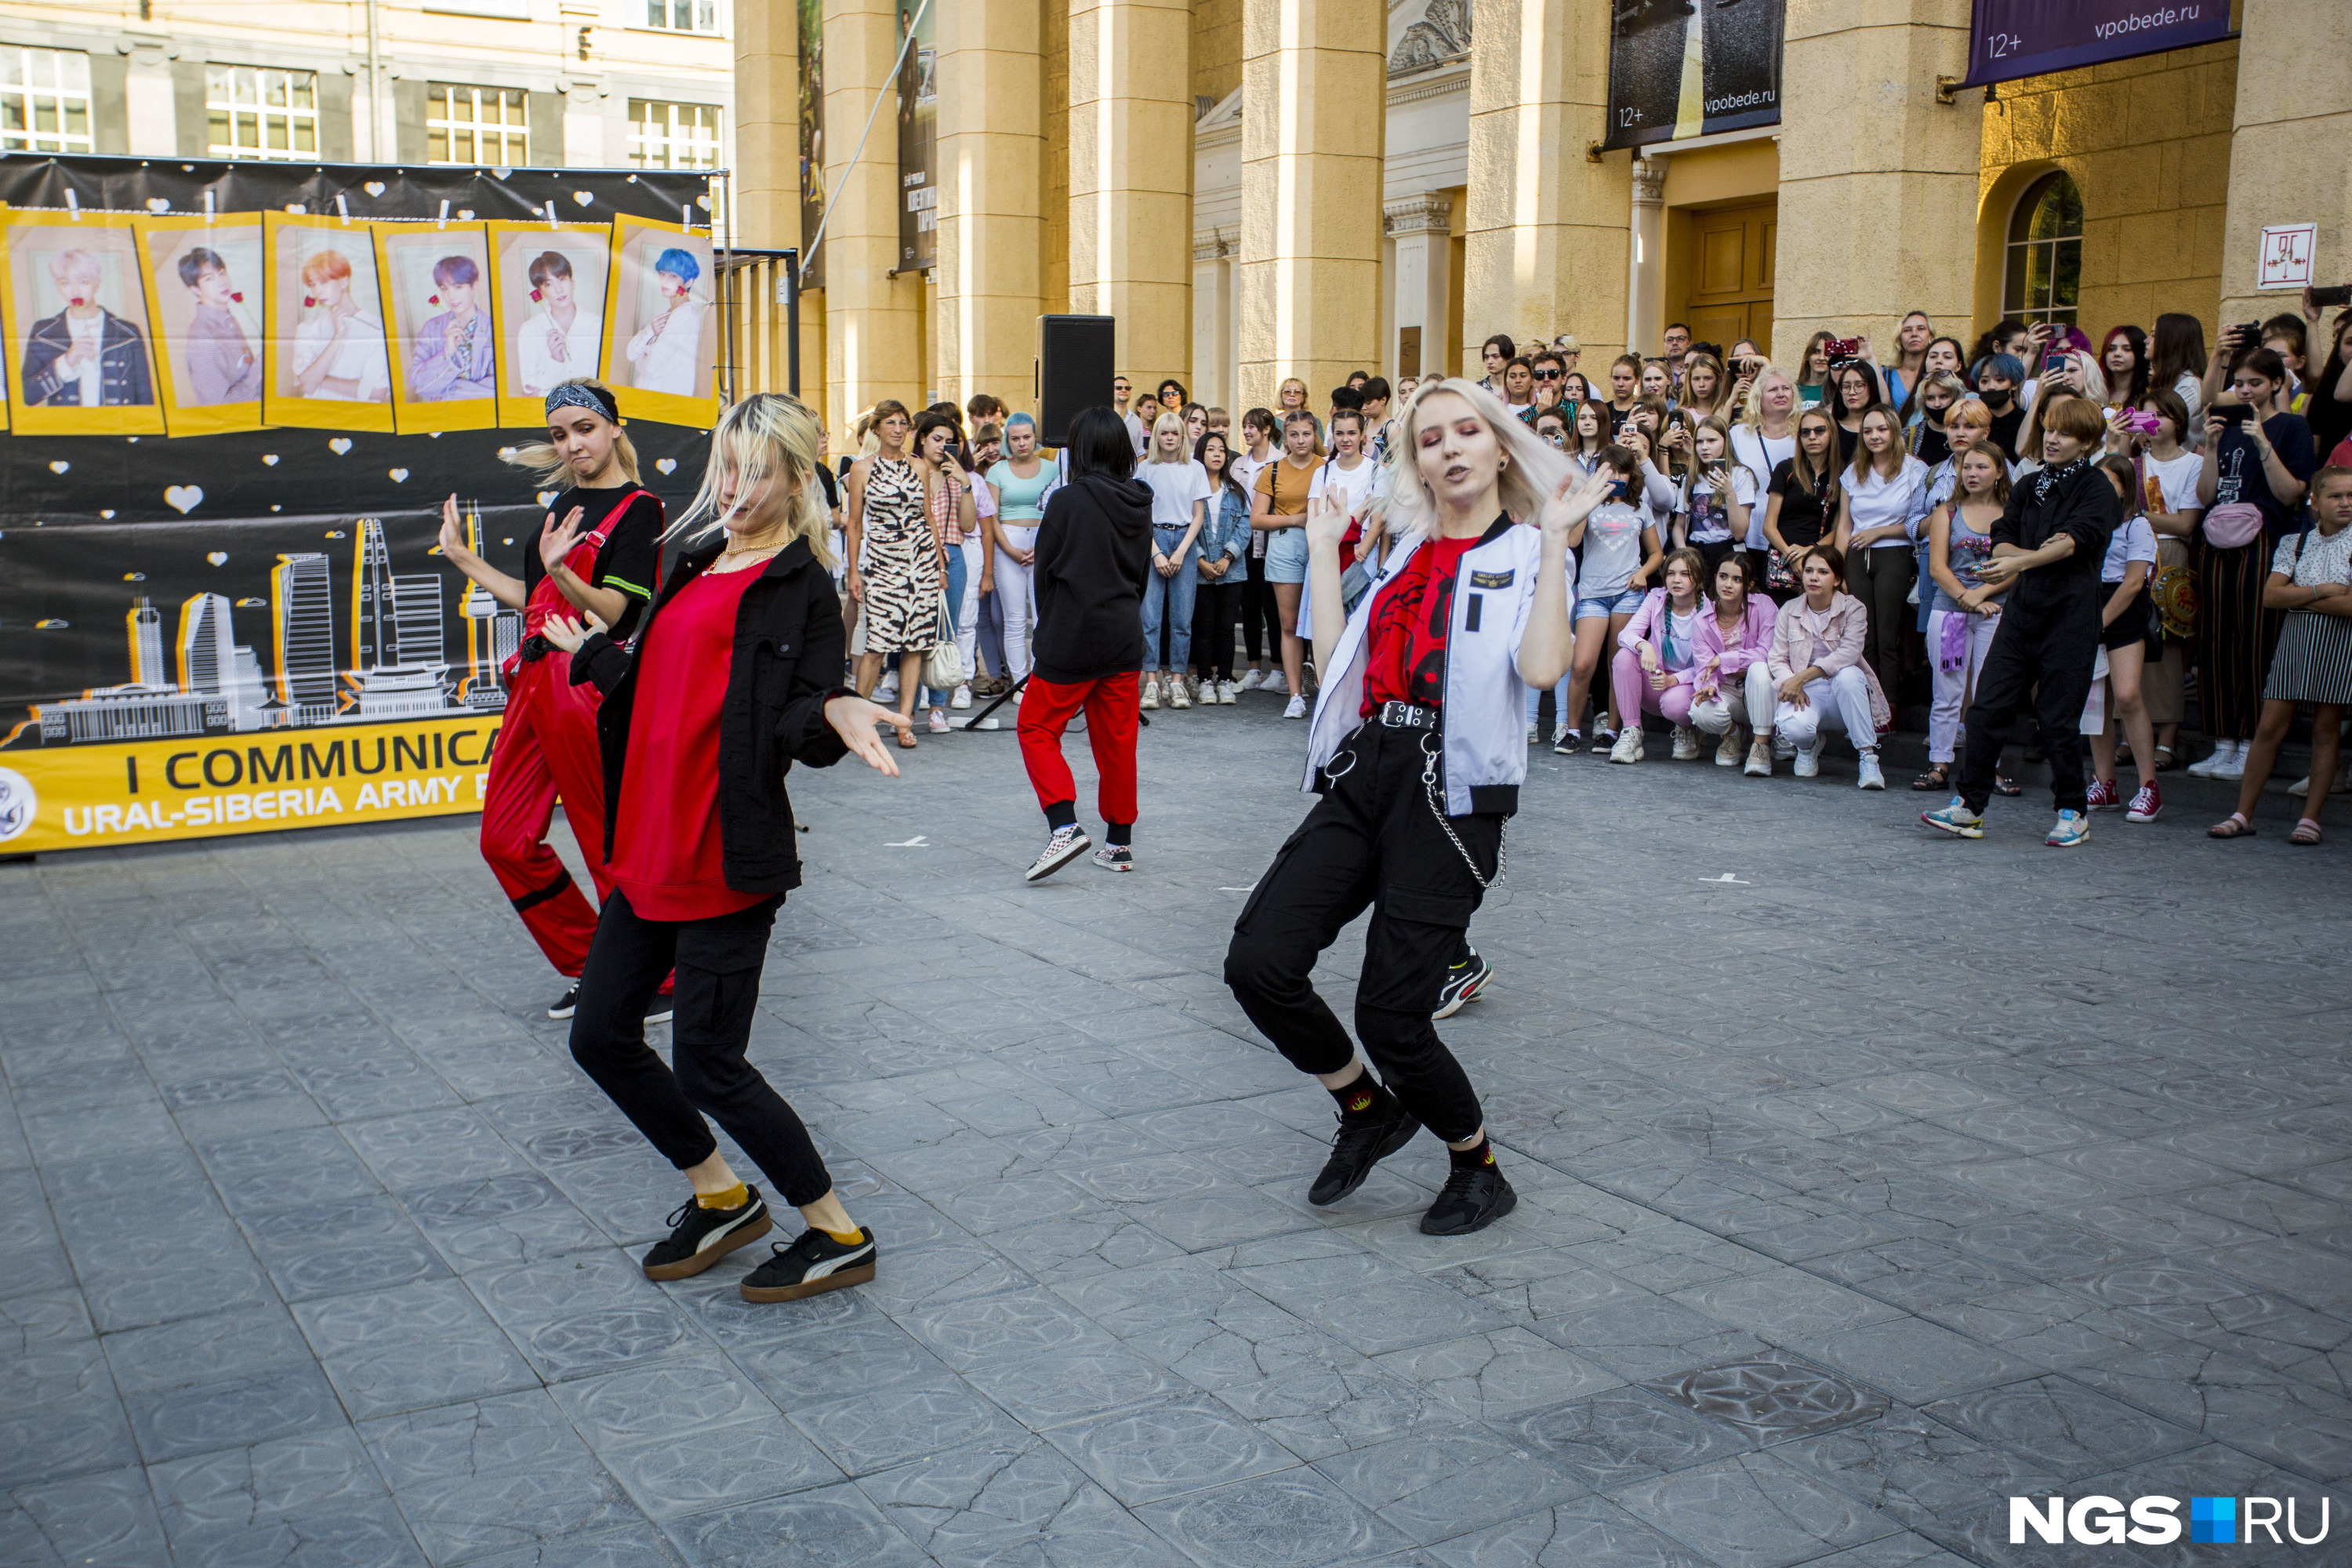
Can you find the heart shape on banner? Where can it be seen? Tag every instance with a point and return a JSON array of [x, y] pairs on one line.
[[399, 476], [340, 445], [270, 459], [373, 187], [59, 466], [583, 197], [219, 557], [667, 465], [107, 513], [159, 204], [184, 499]]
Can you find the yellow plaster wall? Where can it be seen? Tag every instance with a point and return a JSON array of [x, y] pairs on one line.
[[1216, 48], [2146, 142], [1053, 162]]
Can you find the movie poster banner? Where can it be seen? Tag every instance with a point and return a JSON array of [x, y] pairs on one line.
[[810, 15], [1677, 71], [2013, 39], [74, 313], [918, 124], [205, 297]]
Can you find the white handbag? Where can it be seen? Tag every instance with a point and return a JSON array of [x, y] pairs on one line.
[[943, 667]]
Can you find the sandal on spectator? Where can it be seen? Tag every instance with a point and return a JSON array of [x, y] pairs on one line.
[[2165, 759], [2004, 785], [2306, 832], [1936, 777], [2234, 826]]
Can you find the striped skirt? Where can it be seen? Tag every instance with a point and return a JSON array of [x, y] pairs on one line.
[[2235, 637], [2313, 662]]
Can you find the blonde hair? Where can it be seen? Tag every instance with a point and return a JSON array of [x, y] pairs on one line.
[[1532, 469], [1751, 407], [77, 264], [1161, 427], [769, 435], [548, 465]]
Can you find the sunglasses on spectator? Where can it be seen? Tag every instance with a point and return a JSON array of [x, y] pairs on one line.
[[1550, 374]]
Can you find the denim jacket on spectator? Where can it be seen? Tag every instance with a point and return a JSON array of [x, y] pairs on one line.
[[1227, 531]]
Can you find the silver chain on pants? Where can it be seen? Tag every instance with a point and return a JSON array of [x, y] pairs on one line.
[[1429, 789]]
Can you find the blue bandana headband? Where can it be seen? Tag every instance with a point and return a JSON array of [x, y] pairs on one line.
[[579, 395]]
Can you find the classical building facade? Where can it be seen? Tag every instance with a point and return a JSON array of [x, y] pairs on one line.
[[572, 83], [1266, 188]]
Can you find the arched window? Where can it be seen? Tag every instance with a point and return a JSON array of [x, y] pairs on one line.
[[2043, 278]]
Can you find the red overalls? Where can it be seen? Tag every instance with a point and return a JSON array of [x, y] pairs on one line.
[[546, 749]]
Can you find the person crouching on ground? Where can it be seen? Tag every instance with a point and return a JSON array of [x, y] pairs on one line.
[[1415, 748], [1821, 674], [1092, 557], [2049, 543], [734, 674]]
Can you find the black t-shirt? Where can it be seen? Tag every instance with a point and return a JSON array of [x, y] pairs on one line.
[[1803, 519], [2330, 420], [832, 489], [630, 561], [2239, 471], [1932, 445], [2005, 427], [1849, 442]]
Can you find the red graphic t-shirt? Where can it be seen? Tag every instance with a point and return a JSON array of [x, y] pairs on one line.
[[668, 854], [1411, 617]]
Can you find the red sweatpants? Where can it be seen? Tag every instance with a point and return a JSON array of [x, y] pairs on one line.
[[546, 747], [1112, 705]]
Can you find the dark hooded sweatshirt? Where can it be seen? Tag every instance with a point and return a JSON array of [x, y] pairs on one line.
[[1092, 556]]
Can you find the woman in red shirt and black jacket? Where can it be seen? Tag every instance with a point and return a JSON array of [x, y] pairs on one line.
[[734, 676]]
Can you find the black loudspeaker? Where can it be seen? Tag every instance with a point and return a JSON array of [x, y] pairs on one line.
[[1077, 362]]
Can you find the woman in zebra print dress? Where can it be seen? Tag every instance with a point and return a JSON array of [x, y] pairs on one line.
[[897, 567]]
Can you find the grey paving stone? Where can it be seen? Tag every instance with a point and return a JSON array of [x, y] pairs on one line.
[[687, 1393], [1498, 1373], [242, 1487], [1367, 1302], [1769, 1400], [1296, 1519], [370, 1534], [1914, 1469], [867, 1432], [109, 1517], [711, 1467], [472, 1516], [411, 1347], [1432, 1487], [586, 1313], [1912, 1360], [500, 1219], [508, 1432], [831, 1527], [1752, 1511], [1624, 1436], [1170, 1446], [2059, 1425], [250, 1406]]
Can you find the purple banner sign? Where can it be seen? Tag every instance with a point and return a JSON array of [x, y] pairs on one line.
[[2013, 39]]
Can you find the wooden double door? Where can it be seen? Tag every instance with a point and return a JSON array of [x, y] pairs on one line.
[[1731, 275]]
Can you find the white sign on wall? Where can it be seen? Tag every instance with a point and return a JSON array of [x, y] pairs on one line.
[[2286, 255]]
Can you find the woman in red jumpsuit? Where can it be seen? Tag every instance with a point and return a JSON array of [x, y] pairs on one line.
[[598, 551]]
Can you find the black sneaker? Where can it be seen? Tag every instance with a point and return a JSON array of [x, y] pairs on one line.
[[1462, 982], [1067, 845], [1569, 744], [811, 1265], [1474, 1197], [1359, 1146], [566, 1005], [700, 1237], [1115, 857]]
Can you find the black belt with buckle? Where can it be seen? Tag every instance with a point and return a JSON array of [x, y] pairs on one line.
[[1405, 716]]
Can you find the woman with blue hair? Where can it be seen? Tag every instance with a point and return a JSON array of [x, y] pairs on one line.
[[666, 351]]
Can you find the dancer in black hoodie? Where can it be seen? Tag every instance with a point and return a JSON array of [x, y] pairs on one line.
[[1092, 555]]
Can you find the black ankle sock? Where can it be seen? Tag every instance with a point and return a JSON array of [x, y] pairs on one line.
[[1119, 833], [1482, 1153], [1361, 1100], [1062, 814]]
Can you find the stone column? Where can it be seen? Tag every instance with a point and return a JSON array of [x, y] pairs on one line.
[[1422, 228], [1213, 377], [1545, 243], [992, 118], [1645, 260], [1314, 116], [1887, 218], [767, 126], [2287, 152], [873, 319], [1132, 179]]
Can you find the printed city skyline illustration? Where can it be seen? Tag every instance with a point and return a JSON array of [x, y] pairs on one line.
[[204, 681]]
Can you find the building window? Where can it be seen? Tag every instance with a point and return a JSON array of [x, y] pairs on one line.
[[484, 125], [257, 112], [44, 100], [673, 135], [683, 15], [2044, 275]]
